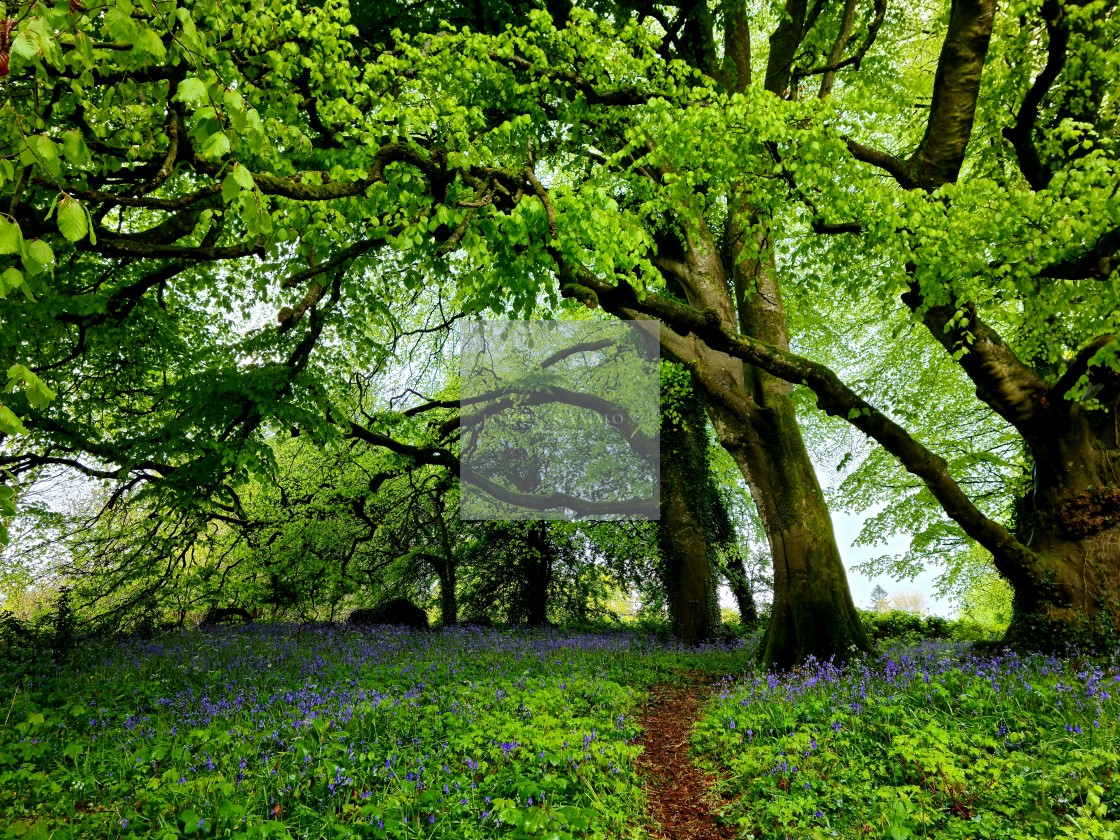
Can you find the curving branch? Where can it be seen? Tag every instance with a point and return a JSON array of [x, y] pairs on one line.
[[441, 457], [1011, 388], [168, 166], [131, 248], [836, 60], [1021, 135], [338, 260], [834, 397], [896, 167], [619, 97], [785, 41], [956, 87], [1078, 367], [1097, 262]]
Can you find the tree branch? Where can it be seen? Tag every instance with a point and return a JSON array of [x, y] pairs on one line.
[[1002, 380], [834, 398], [1021, 135], [956, 87], [1078, 367]]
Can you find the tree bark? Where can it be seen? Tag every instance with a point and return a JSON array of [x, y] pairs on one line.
[[813, 614], [448, 601], [686, 530], [1071, 521], [755, 421], [537, 574], [685, 553], [448, 574], [740, 585], [1064, 565]]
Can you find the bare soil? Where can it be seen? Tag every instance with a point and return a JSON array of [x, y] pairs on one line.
[[679, 799]]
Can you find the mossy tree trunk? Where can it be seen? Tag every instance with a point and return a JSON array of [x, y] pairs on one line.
[[1071, 522], [1063, 564], [686, 532], [448, 601], [812, 614], [448, 575], [740, 584], [735, 282]]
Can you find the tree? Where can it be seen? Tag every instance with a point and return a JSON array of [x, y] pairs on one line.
[[634, 157], [910, 602], [1046, 369], [880, 601], [688, 532]]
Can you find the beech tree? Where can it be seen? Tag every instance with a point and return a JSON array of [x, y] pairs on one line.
[[171, 171]]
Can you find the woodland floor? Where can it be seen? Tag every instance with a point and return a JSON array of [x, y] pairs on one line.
[[678, 790]]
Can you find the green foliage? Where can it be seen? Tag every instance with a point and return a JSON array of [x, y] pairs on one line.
[[219, 218], [988, 600], [270, 732], [896, 627], [44, 643], [930, 742]]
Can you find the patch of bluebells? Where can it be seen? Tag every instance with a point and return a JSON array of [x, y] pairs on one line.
[[458, 731], [935, 736]]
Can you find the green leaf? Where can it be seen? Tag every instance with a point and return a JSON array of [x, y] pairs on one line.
[[10, 280], [26, 45], [45, 152], [216, 146], [40, 255], [74, 147], [190, 821], [192, 91], [230, 188], [243, 176], [11, 238], [234, 101], [149, 42], [121, 26], [36, 390], [72, 219], [9, 423]]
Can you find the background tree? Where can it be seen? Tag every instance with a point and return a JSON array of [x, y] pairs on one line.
[[880, 601], [910, 602], [688, 533]]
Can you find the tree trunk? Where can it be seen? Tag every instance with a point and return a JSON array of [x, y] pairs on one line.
[[537, 571], [813, 613], [740, 586], [1071, 521], [448, 602], [446, 569], [684, 552], [686, 530]]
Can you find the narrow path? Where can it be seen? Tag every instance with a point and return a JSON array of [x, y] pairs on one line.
[[677, 788]]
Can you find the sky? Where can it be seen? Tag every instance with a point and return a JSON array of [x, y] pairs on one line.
[[847, 528]]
